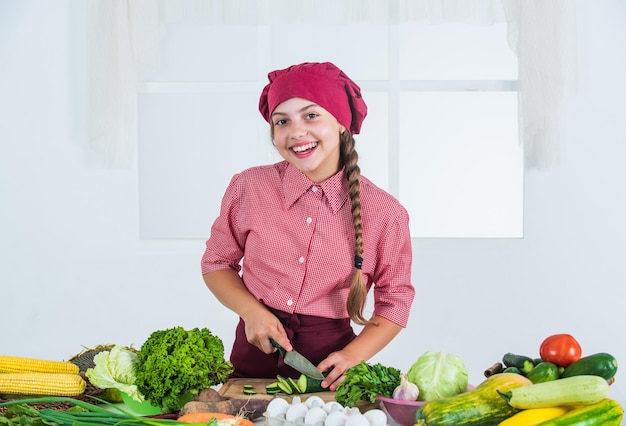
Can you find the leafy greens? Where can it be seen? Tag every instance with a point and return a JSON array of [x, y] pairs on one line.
[[438, 375], [364, 382], [176, 361], [115, 369]]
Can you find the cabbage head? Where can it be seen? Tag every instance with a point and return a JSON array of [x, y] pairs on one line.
[[115, 369], [438, 375]]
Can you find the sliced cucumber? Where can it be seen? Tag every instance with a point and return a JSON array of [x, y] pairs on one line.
[[272, 388]]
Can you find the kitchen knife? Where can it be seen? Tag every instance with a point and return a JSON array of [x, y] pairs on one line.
[[298, 362]]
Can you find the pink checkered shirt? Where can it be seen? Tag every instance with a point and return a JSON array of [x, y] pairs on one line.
[[296, 239]]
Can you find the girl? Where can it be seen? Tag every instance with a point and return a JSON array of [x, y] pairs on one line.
[[314, 235]]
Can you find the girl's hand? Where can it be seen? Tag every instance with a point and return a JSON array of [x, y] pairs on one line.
[[337, 363], [261, 324]]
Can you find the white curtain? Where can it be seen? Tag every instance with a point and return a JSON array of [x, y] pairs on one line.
[[123, 36]]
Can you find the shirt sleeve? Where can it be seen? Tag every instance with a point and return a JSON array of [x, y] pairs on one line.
[[393, 291], [225, 246]]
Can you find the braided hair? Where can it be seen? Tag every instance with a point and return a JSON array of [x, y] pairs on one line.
[[358, 292]]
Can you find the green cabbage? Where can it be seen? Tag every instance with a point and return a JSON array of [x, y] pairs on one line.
[[115, 369], [438, 375]]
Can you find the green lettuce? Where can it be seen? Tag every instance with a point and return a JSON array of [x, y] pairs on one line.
[[176, 362], [115, 369], [438, 375]]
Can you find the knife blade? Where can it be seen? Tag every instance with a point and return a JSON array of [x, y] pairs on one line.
[[298, 362]]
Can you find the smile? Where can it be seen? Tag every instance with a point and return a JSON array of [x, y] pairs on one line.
[[302, 148]]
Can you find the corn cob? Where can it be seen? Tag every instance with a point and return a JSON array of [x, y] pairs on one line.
[[46, 384], [16, 364]]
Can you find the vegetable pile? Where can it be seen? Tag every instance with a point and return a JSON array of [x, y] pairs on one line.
[[560, 387]]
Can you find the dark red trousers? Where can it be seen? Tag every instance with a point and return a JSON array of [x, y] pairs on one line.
[[314, 337]]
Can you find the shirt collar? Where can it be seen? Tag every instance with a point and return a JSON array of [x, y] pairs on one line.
[[296, 183]]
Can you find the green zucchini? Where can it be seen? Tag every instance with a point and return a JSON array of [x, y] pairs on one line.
[[478, 407], [544, 372], [600, 364], [607, 412], [521, 362], [575, 390]]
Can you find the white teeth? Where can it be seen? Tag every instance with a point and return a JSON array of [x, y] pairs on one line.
[[303, 148]]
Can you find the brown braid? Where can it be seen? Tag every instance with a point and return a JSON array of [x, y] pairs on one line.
[[358, 292]]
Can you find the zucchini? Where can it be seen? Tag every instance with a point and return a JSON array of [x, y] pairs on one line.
[[607, 412], [576, 390], [601, 364], [521, 362], [535, 416], [479, 407], [544, 372]]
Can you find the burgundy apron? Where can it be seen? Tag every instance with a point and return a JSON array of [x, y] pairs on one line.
[[314, 337]]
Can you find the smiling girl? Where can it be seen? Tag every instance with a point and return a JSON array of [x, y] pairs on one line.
[[314, 235]]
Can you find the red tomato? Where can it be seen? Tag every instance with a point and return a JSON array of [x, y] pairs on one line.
[[560, 349]]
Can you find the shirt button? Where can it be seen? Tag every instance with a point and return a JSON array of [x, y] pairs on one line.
[[309, 220], [314, 189], [289, 302], [301, 260]]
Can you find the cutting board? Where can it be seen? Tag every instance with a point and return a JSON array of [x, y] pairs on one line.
[[233, 388]]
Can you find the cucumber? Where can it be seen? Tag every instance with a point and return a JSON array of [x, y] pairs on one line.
[[284, 385], [295, 388], [576, 390], [272, 388], [544, 372], [601, 364], [607, 412], [290, 386], [311, 385], [521, 362], [512, 370]]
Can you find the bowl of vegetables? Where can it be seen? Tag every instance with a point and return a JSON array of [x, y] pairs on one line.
[[401, 410]]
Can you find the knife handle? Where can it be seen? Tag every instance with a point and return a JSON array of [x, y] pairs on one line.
[[277, 346]]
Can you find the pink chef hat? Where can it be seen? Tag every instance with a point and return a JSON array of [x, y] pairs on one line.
[[322, 83]]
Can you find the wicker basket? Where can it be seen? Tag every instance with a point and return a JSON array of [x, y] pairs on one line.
[[83, 360]]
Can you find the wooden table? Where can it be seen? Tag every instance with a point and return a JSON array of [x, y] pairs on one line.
[[233, 388]]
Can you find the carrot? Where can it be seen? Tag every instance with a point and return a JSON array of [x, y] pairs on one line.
[[209, 418]]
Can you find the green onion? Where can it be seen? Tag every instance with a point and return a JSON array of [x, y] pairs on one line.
[[94, 416]]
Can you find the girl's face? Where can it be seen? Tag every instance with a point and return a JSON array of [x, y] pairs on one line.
[[307, 136]]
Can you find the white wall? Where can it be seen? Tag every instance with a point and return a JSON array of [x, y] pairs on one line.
[[74, 273]]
